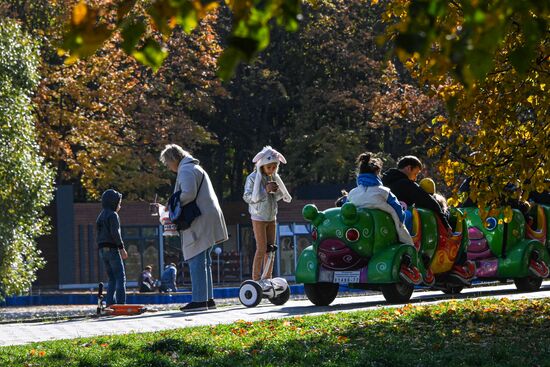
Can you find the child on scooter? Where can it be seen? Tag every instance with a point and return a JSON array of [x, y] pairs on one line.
[[263, 188]]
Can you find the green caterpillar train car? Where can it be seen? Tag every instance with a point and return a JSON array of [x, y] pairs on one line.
[[516, 250]]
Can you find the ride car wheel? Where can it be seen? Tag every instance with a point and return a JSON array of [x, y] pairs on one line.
[[453, 289], [528, 284], [321, 294], [397, 292]]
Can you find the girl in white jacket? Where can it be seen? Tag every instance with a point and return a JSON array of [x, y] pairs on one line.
[[370, 193], [263, 189]]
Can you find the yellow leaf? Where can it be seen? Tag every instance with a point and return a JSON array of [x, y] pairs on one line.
[[531, 99], [373, 2], [79, 12], [71, 59]]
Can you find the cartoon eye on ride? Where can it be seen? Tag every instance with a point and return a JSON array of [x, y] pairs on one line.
[[491, 223], [314, 234], [352, 235]]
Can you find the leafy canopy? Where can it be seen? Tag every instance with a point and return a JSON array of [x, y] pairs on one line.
[[90, 27], [102, 121], [490, 62]]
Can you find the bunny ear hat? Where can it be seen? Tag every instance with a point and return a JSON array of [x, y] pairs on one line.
[[266, 156]]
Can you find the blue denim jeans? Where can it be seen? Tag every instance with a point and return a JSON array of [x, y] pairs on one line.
[[117, 277], [200, 268]]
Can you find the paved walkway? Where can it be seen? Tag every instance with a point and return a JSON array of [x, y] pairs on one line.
[[14, 334]]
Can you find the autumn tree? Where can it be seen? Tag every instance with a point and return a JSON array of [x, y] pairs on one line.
[[174, 105], [102, 121], [81, 119], [489, 61], [347, 96], [322, 95], [252, 22], [25, 180]]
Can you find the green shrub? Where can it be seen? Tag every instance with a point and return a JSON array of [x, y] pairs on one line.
[[26, 182]]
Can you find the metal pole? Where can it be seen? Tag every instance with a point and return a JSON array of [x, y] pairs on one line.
[[295, 249], [239, 252], [278, 258], [161, 249]]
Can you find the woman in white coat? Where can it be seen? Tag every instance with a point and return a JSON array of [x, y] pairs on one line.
[[205, 231]]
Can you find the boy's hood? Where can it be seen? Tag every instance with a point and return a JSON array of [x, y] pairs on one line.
[[110, 199]]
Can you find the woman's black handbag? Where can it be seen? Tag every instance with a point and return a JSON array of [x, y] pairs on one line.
[[183, 216]]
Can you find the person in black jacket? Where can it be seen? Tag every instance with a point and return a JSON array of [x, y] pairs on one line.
[[111, 246], [402, 182]]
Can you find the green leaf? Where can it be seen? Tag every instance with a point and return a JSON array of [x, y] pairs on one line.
[[521, 58], [228, 61], [479, 63], [151, 54], [187, 17], [479, 16], [131, 33]]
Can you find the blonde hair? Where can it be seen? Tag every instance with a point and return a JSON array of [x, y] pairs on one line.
[[172, 153], [441, 201]]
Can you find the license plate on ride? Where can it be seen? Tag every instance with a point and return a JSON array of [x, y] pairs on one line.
[[345, 277]]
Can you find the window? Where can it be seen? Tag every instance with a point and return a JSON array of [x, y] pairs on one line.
[[286, 251], [143, 249]]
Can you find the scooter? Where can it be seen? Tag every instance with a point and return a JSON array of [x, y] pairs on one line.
[[116, 310], [276, 290]]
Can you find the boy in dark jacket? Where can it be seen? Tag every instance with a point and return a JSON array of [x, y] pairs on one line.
[[402, 182], [111, 246]]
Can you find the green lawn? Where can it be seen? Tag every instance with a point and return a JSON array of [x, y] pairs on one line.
[[470, 333]]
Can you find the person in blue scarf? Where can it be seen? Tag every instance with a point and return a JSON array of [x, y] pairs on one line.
[[371, 193]]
